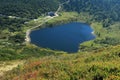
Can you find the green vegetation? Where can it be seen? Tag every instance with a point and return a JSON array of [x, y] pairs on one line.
[[12, 45], [106, 11], [104, 37], [64, 17], [27, 8], [96, 65], [102, 16], [96, 60], [25, 52]]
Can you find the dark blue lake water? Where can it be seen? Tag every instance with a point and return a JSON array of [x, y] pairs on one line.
[[66, 37]]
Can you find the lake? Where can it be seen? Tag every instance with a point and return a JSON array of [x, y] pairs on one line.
[[66, 37]]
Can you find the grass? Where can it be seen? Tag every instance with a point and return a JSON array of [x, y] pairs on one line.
[[96, 65], [104, 37], [26, 52], [63, 17]]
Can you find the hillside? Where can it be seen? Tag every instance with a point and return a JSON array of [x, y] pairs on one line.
[[106, 11], [96, 65], [97, 59]]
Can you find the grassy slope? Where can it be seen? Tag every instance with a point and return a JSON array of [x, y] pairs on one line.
[[104, 36], [95, 65]]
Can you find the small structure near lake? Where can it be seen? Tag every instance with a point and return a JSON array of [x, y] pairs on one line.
[[51, 14]]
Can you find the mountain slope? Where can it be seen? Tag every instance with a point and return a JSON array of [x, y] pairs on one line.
[[96, 65]]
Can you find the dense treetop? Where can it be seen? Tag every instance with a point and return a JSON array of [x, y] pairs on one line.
[[101, 9], [27, 8]]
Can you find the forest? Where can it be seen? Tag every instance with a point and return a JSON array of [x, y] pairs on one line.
[[27, 8], [106, 11]]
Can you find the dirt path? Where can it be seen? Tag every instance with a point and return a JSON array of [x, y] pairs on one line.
[[13, 17]]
